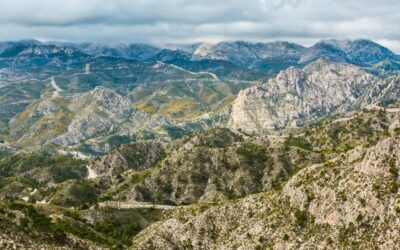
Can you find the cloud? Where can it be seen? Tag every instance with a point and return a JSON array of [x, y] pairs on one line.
[[162, 21]]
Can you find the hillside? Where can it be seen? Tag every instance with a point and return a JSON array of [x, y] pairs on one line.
[[232, 145], [347, 201]]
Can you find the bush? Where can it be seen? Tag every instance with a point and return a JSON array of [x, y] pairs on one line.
[[83, 192], [301, 218], [139, 177], [362, 201], [346, 232], [118, 230], [199, 176], [60, 167], [298, 142], [256, 158]]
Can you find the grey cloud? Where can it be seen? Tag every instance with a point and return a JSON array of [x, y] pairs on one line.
[[162, 21]]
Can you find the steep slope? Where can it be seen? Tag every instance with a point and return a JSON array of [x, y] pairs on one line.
[[100, 111], [42, 121], [218, 164], [297, 96], [323, 183], [210, 166], [325, 50], [348, 202], [93, 102], [31, 54]]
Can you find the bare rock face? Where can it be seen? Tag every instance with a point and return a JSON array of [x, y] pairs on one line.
[[297, 96]]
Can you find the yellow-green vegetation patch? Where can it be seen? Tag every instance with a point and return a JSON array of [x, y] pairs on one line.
[[181, 108], [209, 96], [146, 107], [225, 102]]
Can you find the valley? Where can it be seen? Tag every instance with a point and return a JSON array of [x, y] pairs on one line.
[[233, 145]]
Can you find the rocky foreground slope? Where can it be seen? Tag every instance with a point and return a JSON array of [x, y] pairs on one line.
[[334, 181], [347, 202], [181, 149]]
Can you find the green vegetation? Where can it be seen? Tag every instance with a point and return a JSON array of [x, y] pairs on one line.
[[114, 227], [79, 193], [175, 132], [35, 171], [297, 142], [117, 229], [345, 233], [53, 231], [138, 177], [256, 158], [303, 218], [58, 165]]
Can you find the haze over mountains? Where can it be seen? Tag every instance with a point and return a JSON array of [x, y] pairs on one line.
[[233, 145]]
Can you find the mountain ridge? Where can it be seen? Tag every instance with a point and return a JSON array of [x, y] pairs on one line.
[[168, 150]]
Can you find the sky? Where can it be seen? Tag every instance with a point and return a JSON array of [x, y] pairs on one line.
[[186, 21]]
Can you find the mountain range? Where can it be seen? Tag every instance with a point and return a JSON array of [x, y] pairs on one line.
[[165, 93], [233, 145]]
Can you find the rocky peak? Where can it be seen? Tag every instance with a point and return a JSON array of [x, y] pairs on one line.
[[360, 52], [322, 49], [203, 49], [297, 95]]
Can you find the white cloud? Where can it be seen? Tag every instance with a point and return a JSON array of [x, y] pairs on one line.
[[161, 21], [392, 44]]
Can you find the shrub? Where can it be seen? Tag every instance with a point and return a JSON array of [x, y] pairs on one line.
[[298, 142], [362, 201], [199, 176], [301, 218], [359, 217]]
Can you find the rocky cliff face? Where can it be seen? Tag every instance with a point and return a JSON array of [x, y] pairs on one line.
[[297, 96]]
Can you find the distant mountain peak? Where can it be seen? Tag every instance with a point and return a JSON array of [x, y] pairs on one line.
[[203, 49], [322, 61]]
